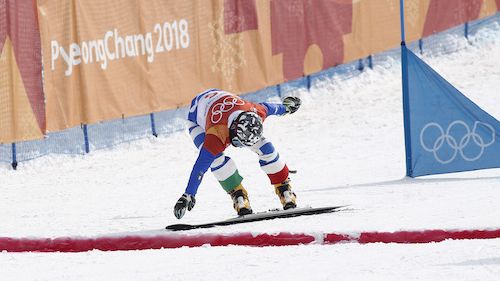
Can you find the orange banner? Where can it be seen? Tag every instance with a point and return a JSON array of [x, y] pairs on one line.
[[111, 59], [22, 115]]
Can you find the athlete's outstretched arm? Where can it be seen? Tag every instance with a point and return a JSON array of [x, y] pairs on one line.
[[274, 108], [187, 200], [203, 162], [289, 106]]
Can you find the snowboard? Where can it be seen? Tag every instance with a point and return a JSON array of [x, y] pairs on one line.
[[268, 215]]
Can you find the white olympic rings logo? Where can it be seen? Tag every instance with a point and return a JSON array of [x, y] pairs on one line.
[[457, 146], [226, 105]]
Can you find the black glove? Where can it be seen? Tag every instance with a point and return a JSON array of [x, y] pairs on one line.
[[186, 201], [291, 104]]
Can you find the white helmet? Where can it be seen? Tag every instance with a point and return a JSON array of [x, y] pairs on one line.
[[246, 129]]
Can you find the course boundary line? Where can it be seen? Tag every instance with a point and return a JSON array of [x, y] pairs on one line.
[[169, 240]]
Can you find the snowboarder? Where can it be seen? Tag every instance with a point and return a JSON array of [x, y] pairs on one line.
[[218, 119]]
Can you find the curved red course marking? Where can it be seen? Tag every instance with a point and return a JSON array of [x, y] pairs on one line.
[[407, 237], [135, 242], [427, 236], [69, 244]]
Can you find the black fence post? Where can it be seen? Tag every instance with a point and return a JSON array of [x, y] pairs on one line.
[[370, 61], [421, 46], [466, 30], [86, 138], [361, 65], [14, 156], [308, 81], [153, 125], [278, 89]]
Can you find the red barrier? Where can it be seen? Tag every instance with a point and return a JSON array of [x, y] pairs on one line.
[[136, 242], [69, 244], [407, 237]]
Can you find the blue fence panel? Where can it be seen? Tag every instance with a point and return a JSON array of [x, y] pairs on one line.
[[69, 141], [111, 133], [171, 121], [267, 94], [5, 153]]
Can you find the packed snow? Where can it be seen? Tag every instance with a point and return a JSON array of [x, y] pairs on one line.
[[346, 142]]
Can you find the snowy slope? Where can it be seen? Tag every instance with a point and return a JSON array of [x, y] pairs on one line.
[[347, 144]]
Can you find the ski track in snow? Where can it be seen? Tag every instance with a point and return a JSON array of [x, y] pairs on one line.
[[346, 143]]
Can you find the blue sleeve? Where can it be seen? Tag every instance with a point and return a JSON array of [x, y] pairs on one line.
[[274, 108], [197, 133], [205, 159]]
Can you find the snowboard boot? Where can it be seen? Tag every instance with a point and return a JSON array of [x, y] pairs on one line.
[[287, 196], [240, 201]]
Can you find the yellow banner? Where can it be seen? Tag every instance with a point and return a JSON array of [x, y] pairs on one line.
[[111, 59]]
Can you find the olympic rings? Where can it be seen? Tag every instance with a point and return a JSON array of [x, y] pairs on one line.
[[457, 146], [226, 105]]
